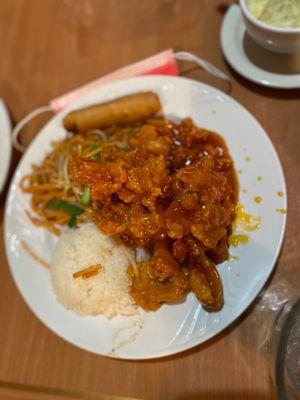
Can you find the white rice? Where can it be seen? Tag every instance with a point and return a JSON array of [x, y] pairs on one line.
[[107, 292]]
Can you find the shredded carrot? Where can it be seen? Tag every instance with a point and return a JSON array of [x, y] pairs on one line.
[[88, 272], [36, 258]]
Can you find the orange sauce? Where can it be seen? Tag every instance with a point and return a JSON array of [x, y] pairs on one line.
[[243, 223], [258, 199], [280, 194], [281, 210], [248, 159], [236, 240]]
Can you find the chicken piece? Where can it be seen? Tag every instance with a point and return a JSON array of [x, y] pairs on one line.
[[189, 201], [180, 250], [159, 279], [150, 293], [143, 224], [177, 220], [201, 287], [150, 141], [163, 262], [103, 179], [208, 269], [220, 252], [196, 176], [209, 237], [191, 135], [133, 222], [195, 248], [148, 179]]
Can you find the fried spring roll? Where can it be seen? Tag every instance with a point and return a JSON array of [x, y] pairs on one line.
[[125, 110]]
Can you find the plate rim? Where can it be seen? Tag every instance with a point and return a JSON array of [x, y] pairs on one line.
[[7, 132], [192, 343], [235, 12]]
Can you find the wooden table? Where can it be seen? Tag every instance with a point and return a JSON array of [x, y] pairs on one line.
[[49, 47]]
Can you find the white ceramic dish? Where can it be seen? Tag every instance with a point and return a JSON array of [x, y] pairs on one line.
[[173, 328], [5, 144], [261, 68], [281, 40]]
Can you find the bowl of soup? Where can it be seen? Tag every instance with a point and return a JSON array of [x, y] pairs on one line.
[[273, 24]]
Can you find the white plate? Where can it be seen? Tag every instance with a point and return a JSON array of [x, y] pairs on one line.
[[178, 327], [5, 144], [253, 62]]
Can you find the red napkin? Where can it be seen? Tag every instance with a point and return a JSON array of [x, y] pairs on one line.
[[162, 63]]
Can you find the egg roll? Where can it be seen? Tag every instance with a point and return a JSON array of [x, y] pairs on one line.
[[122, 111]]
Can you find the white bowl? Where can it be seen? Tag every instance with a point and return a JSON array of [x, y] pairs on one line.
[[281, 40]]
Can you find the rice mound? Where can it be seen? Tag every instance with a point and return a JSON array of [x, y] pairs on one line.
[[105, 293]]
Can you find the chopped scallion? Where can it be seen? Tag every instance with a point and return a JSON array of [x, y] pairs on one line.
[[96, 157], [94, 147], [86, 196], [72, 221], [61, 205]]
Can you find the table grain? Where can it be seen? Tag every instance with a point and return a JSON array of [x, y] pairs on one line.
[[51, 46]]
